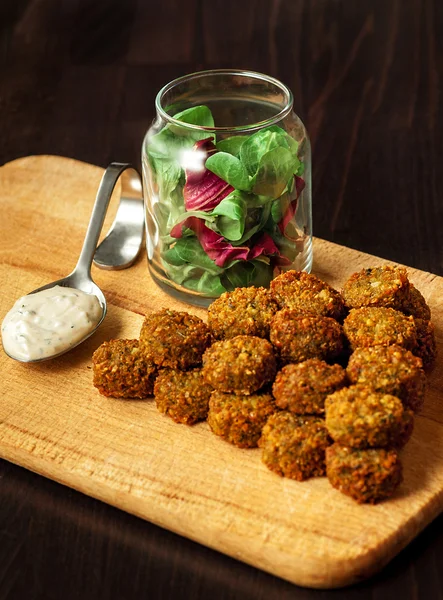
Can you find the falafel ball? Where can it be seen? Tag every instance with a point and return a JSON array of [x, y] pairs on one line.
[[372, 326], [174, 339], [367, 476], [302, 388], [241, 365], [244, 311], [416, 305], [426, 346], [239, 419], [390, 370], [386, 287], [358, 417], [307, 293], [120, 370], [182, 395], [294, 446], [300, 337]]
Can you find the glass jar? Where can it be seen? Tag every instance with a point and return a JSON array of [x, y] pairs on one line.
[[227, 185]]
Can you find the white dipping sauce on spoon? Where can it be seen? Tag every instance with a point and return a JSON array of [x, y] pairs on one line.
[[48, 322]]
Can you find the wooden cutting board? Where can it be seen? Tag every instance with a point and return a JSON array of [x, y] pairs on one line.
[[125, 453]]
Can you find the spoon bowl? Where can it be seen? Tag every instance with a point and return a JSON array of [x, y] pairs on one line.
[[75, 281]]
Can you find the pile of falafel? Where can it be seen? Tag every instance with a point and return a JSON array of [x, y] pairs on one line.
[[325, 383]]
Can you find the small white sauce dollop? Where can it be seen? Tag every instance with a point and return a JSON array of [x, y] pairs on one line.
[[48, 322]]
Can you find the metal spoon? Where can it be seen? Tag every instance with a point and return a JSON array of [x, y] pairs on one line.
[[81, 278], [122, 244]]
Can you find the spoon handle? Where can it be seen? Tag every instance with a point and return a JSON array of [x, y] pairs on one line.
[[104, 193]]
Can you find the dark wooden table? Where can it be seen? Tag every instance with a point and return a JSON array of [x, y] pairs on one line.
[[78, 78]]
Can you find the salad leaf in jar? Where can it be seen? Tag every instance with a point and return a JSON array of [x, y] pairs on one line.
[[225, 210]]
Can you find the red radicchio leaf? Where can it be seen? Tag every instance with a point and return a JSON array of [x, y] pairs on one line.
[[290, 211], [299, 185], [221, 251], [203, 189]]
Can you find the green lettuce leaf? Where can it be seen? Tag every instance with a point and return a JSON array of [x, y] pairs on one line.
[[208, 284], [262, 142], [237, 218], [232, 145], [256, 219], [188, 250], [231, 216], [230, 169], [255, 272], [187, 264], [279, 207], [273, 173], [195, 279], [256, 146], [196, 115]]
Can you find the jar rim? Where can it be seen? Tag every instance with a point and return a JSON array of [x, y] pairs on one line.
[[234, 72]]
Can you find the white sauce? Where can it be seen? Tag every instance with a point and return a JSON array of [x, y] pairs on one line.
[[48, 322]]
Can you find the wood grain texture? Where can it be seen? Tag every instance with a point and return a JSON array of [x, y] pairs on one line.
[[125, 453]]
